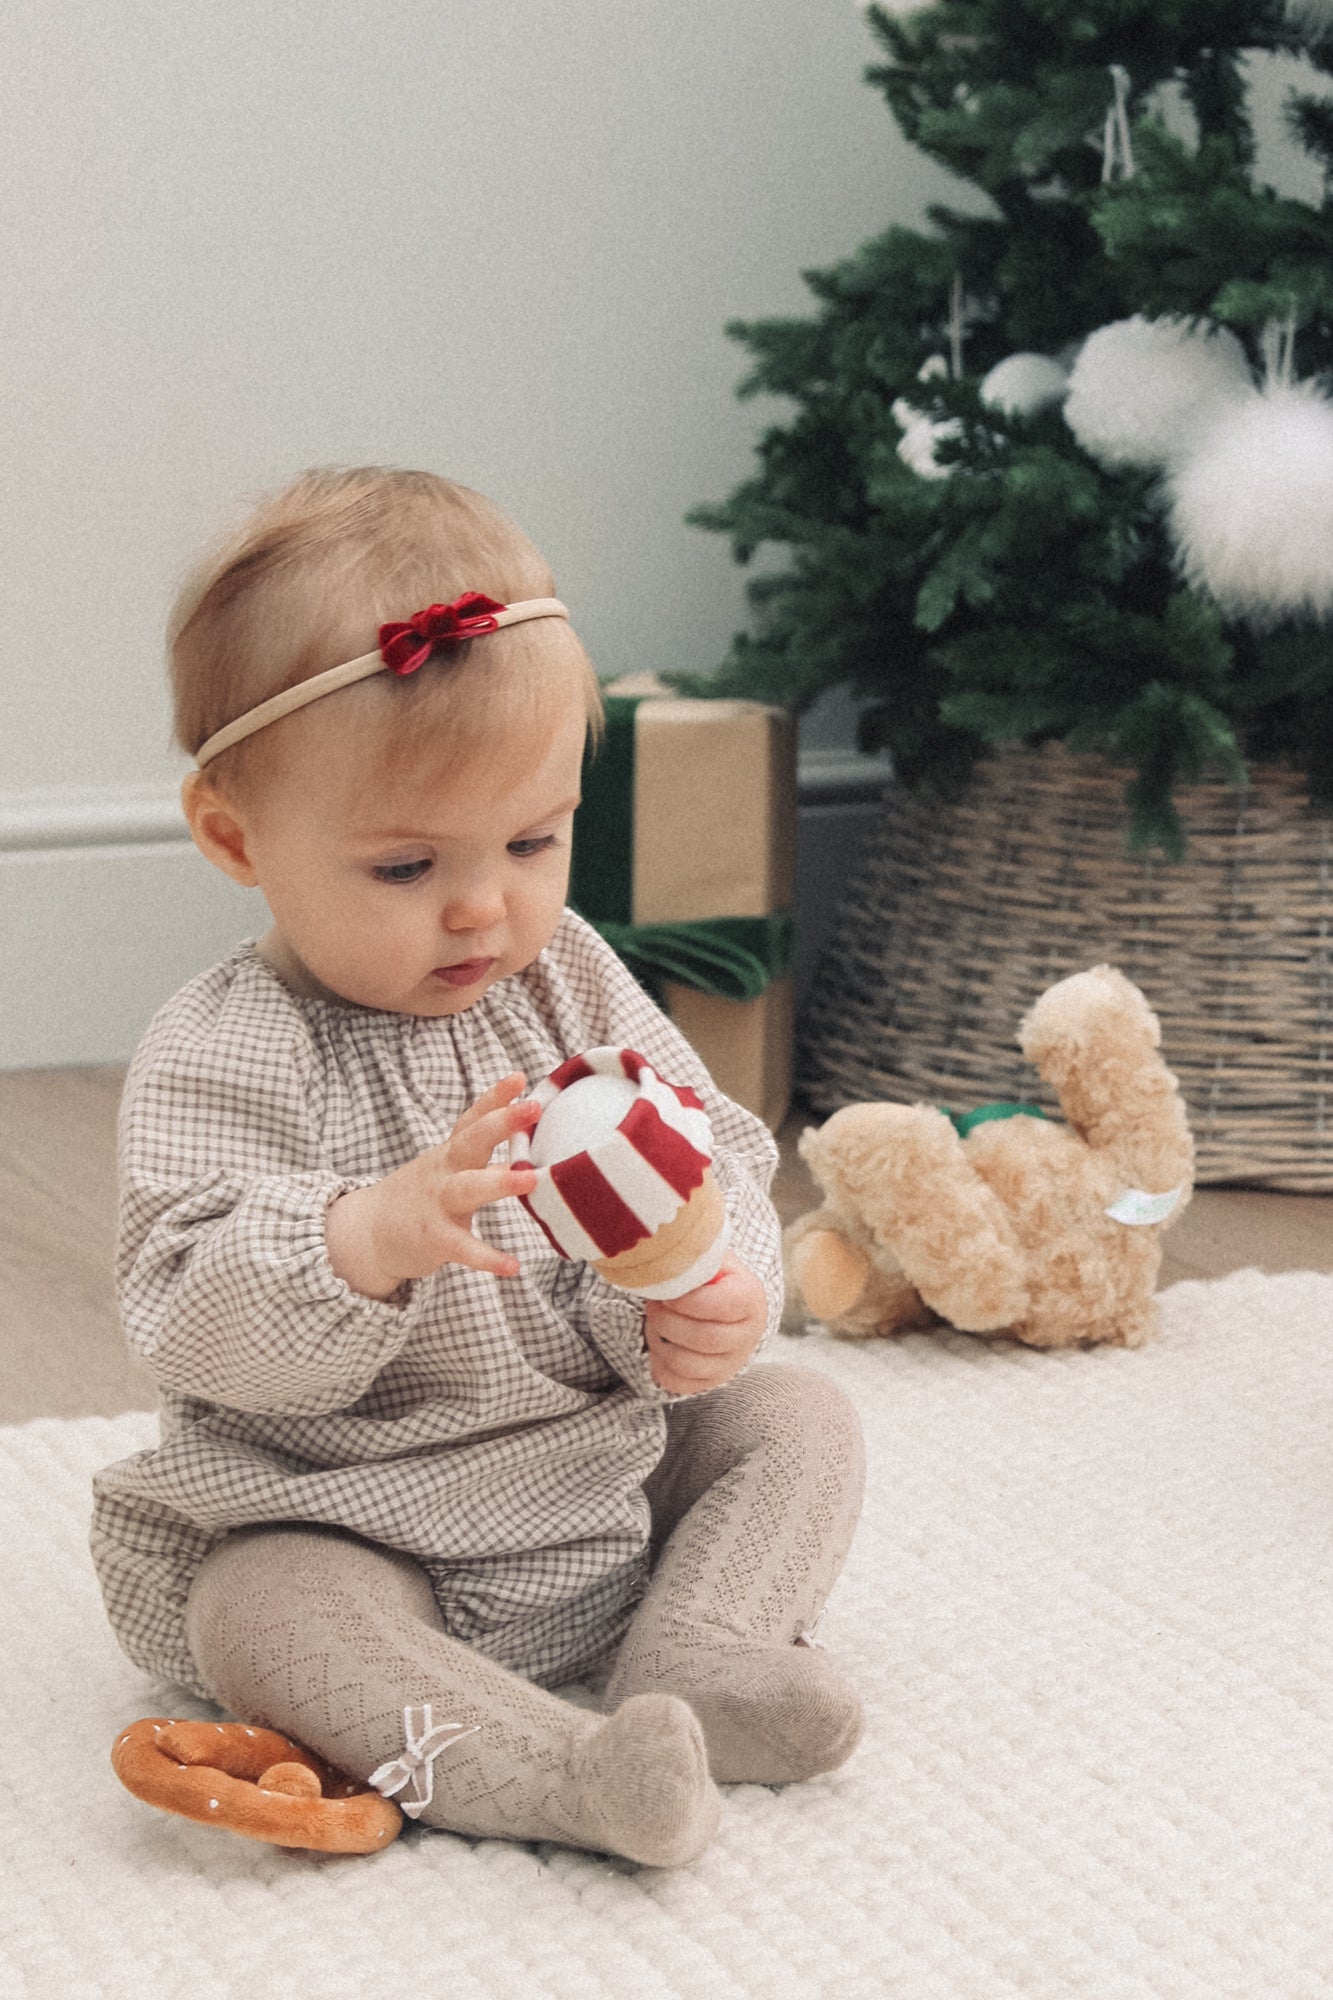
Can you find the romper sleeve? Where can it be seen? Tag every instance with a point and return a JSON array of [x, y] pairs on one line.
[[225, 1285], [602, 1003]]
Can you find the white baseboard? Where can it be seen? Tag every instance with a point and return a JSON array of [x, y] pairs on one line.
[[97, 929], [70, 816]]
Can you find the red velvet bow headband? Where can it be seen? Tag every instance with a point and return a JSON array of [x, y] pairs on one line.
[[403, 647]]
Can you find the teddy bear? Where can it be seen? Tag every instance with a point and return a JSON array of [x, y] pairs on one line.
[[1008, 1221]]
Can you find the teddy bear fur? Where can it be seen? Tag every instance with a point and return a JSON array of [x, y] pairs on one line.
[[1006, 1231]]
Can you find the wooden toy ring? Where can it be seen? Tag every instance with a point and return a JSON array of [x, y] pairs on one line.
[[254, 1782]]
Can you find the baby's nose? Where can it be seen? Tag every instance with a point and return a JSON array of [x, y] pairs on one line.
[[472, 905]]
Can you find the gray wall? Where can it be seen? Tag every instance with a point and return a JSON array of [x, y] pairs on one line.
[[498, 240]]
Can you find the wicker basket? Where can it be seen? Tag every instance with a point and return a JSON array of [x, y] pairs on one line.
[[961, 915]]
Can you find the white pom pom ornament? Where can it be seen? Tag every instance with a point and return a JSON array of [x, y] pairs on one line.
[[1252, 505], [1024, 383], [1141, 390]]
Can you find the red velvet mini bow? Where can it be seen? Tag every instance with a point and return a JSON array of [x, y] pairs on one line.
[[407, 647]]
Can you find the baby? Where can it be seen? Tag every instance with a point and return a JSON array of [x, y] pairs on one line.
[[415, 1470]]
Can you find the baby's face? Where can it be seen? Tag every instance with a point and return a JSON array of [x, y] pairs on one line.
[[416, 900]]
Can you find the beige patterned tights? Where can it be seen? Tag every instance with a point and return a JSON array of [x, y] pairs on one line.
[[754, 1506], [329, 1639]]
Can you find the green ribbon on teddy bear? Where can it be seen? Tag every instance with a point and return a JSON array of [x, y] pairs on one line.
[[964, 1121]]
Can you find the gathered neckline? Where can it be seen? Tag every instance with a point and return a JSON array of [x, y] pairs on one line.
[[248, 953]]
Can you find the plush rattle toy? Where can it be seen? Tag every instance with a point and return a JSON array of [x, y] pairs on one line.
[[1016, 1223], [624, 1174], [254, 1782]]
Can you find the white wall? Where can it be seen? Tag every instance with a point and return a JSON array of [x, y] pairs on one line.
[[500, 240]]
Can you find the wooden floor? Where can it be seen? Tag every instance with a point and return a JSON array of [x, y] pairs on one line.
[[60, 1353]]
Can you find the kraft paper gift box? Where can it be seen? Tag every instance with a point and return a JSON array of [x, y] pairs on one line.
[[684, 858]]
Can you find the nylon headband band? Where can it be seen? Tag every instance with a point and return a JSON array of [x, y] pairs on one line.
[[334, 678]]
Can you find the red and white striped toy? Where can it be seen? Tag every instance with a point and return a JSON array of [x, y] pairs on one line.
[[624, 1174]]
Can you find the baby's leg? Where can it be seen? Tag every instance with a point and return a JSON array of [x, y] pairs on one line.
[[328, 1639], [754, 1506]]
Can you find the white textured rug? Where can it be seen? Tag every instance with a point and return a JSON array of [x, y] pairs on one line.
[[1091, 1606]]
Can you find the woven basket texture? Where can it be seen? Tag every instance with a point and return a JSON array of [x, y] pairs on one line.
[[961, 914]]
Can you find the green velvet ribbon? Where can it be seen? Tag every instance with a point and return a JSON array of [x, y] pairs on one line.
[[732, 957], [963, 1121]]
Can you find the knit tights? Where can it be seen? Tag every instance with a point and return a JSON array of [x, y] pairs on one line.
[[329, 1639], [754, 1505]]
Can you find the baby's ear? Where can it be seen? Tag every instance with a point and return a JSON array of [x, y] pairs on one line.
[[217, 829]]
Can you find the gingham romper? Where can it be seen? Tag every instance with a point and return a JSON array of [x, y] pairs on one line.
[[498, 1430]]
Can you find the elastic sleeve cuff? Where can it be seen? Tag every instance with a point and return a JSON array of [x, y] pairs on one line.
[[261, 1320], [338, 1288], [615, 1325]]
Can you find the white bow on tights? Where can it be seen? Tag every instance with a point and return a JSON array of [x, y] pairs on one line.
[[425, 1740]]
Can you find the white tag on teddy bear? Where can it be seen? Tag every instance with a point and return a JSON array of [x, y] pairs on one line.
[[1136, 1206]]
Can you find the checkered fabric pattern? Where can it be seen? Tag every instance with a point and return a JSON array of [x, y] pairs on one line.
[[498, 1430]]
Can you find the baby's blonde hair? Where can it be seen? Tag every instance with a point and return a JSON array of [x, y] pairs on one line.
[[312, 575]]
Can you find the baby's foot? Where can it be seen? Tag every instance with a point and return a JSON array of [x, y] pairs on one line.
[[771, 1715], [643, 1784]]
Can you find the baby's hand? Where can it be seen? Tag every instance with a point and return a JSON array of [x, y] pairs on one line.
[[420, 1216], [700, 1340]]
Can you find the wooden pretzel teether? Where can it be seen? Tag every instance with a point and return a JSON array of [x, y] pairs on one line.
[[254, 1782]]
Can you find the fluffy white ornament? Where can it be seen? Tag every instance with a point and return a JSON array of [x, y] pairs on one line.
[[1252, 505], [1024, 383], [921, 434], [1142, 389]]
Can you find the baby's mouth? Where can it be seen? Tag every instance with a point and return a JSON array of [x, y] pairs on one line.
[[467, 972]]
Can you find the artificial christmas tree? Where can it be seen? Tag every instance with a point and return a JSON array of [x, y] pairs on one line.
[[1034, 591], [1060, 472]]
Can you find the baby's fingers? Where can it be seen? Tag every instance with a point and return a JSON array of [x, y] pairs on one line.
[[464, 1193], [501, 1093], [735, 1294], [685, 1372], [478, 1255], [693, 1336], [472, 1146]]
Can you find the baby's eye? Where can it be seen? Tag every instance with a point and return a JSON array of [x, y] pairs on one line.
[[400, 871], [534, 846]]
